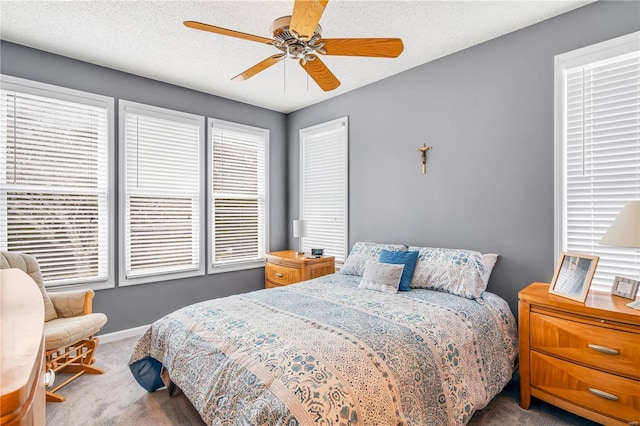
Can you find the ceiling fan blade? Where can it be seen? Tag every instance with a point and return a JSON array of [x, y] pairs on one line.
[[375, 47], [320, 74], [224, 31], [260, 66], [305, 17]]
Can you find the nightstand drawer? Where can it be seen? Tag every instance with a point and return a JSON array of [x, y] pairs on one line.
[[608, 394], [288, 267], [607, 349], [281, 275]]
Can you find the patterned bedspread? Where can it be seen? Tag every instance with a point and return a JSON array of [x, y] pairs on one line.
[[324, 352]]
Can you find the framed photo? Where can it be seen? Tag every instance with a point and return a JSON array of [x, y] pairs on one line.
[[573, 275], [625, 287]]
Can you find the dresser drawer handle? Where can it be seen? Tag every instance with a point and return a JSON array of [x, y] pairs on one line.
[[278, 274], [603, 394], [604, 349]]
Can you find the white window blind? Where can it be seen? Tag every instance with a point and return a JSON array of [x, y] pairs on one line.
[[600, 91], [55, 146], [238, 194], [162, 193], [324, 186]]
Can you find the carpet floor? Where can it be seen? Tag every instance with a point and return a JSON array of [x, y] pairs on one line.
[[114, 398]]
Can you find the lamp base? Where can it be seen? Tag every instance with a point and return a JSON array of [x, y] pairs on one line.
[[300, 252]]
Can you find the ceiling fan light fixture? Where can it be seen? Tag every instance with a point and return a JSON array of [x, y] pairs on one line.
[[280, 28], [289, 42]]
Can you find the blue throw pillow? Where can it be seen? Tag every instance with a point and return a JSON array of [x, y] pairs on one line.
[[406, 258]]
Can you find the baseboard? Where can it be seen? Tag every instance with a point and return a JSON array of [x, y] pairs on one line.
[[122, 334]]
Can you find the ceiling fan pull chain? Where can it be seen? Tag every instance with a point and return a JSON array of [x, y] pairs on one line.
[[284, 76]]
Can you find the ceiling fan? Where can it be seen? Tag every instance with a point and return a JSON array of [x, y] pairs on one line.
[[299, 36]]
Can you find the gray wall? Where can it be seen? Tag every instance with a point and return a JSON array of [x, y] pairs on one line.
[[142, 304], [488, 113]]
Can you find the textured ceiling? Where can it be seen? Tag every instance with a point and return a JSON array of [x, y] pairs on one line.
[[147, 38]]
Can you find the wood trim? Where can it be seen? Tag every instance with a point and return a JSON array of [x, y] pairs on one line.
[[524, 372], [88, 302]]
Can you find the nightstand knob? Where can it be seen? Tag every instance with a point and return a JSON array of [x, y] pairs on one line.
[[604, 349], [603, 394], [278, 274]]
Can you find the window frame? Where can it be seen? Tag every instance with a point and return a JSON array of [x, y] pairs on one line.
[[166, 114], [575, 58], [344, 122], [240, 265], [72, 95]]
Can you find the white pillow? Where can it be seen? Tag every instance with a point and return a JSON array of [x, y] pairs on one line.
[[363, 252], [454, 271], [489, 261], [383, 277]]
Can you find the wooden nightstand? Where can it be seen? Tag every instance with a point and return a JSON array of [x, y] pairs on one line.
[[286, 267], [584, 358]]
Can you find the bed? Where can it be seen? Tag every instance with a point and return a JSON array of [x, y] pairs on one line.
[[330, 352]]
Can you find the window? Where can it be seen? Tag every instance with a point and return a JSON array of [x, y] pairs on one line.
[[238, 195], [55, 186], [598, 151], [161, 194], [324, 187]]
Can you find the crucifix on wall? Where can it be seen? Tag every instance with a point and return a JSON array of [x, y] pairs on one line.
[[423, 150]]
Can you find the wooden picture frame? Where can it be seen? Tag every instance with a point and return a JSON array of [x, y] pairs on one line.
[[573, 275], [625, 287]]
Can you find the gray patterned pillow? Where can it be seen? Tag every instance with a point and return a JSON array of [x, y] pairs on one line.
[[363, 252], [383, 277], [450, 270]]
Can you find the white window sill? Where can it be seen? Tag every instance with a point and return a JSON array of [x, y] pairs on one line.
[[158, 277], [231, 267], [98, 285]]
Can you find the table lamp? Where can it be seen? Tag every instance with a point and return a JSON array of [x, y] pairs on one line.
[[625, 232], [625, 229], [299, 231]]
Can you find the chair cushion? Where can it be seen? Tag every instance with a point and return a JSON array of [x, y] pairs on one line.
[[29, 264], [69, 303], [62, 332]]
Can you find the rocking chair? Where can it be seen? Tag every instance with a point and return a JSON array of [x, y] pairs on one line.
[[69, 326]]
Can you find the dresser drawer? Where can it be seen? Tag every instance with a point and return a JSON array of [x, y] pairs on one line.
[[607, 349], [608, 394], [281, 275]]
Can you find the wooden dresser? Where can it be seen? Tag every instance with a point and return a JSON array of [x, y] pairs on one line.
[[287, 267], [584, 358], [21, 350]]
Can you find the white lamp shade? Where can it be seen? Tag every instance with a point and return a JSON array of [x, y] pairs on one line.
[[299, 228], [625, 229]]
